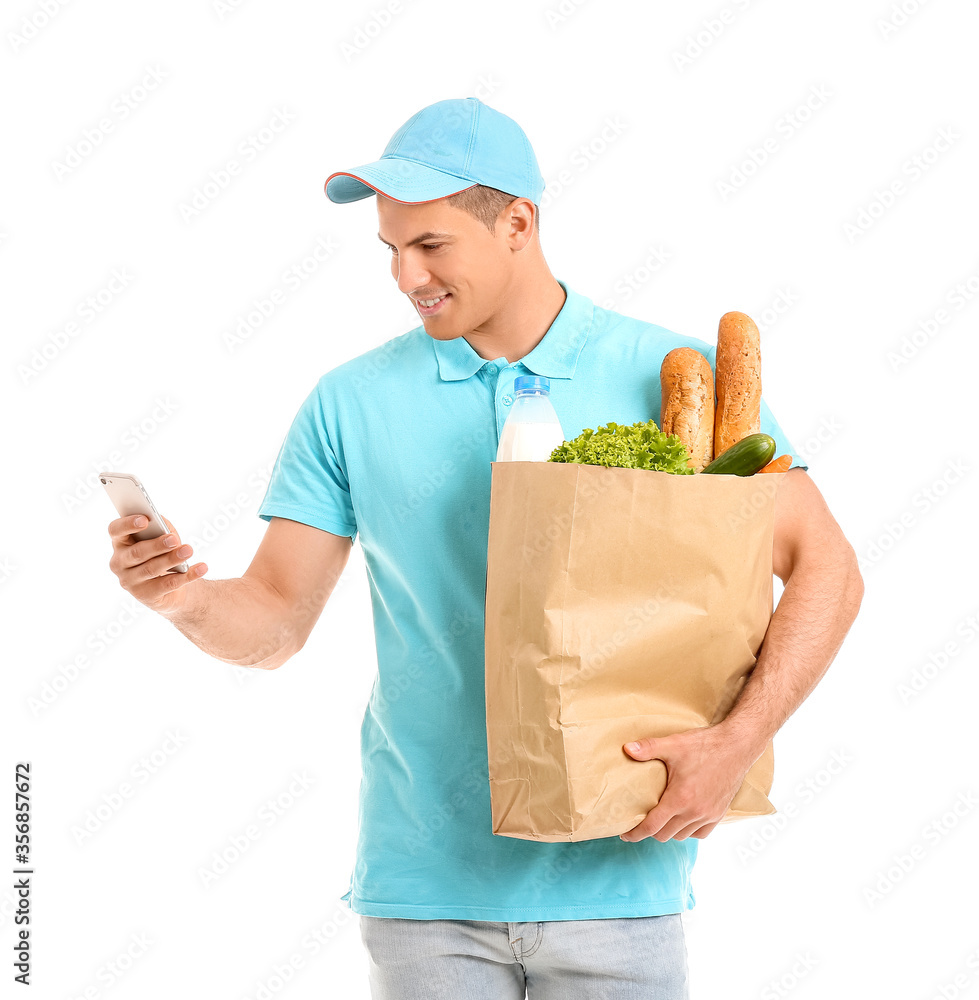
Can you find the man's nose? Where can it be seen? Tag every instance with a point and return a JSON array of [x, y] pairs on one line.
[[412, 274]]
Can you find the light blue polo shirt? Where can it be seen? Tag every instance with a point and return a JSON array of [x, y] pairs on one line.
[[395, 446]]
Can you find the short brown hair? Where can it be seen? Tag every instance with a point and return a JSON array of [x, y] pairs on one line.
[[485, 204]]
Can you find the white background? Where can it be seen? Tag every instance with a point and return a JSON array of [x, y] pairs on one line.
[[671, 102]]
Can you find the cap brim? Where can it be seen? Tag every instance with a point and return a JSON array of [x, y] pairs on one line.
[[400, 180]]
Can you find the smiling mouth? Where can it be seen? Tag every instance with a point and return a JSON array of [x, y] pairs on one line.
[[428, 307]]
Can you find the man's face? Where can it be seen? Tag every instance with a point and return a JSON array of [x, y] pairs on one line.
[[438, 250]]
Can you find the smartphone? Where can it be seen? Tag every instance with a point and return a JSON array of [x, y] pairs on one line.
[[130, 497]]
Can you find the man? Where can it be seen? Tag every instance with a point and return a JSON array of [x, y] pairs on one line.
[[396, 445]]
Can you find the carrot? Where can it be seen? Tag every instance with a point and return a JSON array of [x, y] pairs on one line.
[[780, 464]]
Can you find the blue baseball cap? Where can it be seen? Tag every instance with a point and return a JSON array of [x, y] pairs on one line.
[[444, 149]]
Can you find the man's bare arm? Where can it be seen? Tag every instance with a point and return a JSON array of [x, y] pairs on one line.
[[260, 619], [822, 595]]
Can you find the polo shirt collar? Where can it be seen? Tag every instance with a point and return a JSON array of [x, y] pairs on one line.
[[554, 357]]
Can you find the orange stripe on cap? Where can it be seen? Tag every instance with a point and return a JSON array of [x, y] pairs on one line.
[[344, 173]]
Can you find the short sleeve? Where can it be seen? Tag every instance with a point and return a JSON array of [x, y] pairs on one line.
[[309, 483]]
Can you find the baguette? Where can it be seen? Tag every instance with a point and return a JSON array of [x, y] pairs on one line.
[[687, 403], [738, 381]]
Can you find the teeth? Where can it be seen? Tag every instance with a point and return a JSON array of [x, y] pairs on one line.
[[428, 303]]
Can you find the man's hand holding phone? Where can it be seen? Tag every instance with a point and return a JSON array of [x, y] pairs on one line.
[[144, 567], [146, 552]]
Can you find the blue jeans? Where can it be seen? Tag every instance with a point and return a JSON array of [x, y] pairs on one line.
[[633, 958]]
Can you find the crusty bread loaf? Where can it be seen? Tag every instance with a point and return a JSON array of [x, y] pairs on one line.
[[737, 380], [687, 406]]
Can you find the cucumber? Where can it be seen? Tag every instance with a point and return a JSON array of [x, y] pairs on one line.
[[745, 458]]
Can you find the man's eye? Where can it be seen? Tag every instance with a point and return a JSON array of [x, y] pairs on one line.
[[427, 246]]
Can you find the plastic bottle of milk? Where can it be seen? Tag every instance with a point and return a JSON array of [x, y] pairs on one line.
[[532, 429]]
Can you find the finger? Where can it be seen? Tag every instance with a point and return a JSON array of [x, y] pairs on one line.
[[671, 830], [131, 554], [689, 829], [689, 819], [704, 830], [671, 814], [170, 527], [650, 826], [643, 749], [171, 581], [122, 527], [158, 587], [157, 566]]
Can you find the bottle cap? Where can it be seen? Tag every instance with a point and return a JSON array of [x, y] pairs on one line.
[[539, 382]]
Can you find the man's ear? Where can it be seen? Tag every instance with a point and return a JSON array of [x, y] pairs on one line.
[[518, 223]]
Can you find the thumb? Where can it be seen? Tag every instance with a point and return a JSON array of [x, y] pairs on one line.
[[644, 749]]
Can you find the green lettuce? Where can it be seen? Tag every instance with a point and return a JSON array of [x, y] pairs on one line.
[[639, 446]]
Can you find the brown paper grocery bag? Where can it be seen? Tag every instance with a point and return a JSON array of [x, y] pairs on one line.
[[620, 603]]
